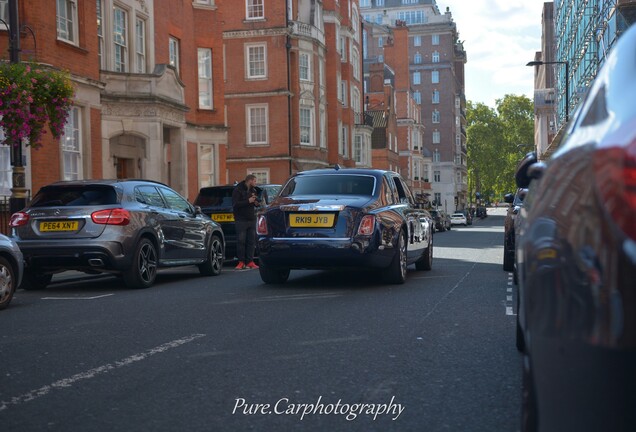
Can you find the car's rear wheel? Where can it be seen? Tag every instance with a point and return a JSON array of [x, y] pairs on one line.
[[143, 271], [426, 262], [7, 282], [214, 263], [273, 275], [396, 273], [508, 261], [32, 281]]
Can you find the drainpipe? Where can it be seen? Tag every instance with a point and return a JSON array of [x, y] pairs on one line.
[[288, 45]]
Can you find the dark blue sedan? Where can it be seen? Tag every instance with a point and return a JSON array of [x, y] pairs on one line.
[[352, 218], [576, 262]]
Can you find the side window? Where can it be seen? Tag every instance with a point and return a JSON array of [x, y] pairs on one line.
[[388, 192], [401, 191], [149, 195], [176, 201]]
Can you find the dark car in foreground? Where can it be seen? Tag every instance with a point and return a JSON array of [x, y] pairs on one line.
[[576, 262], [123, 227], [216, 202], [11, 268], [344, 218], [515, 202]]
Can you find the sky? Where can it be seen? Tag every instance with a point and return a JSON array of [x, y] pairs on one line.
[[500, 37]]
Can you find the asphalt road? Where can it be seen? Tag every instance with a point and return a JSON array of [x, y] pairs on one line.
[[326, 351]]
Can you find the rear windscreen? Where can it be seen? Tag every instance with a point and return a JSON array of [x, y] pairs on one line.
[[341, 184], [64, 196], [221, 197]]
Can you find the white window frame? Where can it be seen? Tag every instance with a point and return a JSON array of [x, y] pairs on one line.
[[343, 48], [66, 21], [248, 60], [345, 134], [437, 137], [437, 176], [435, 39], [355, 62], [261, 174], [304, 67], [306, 125], [380, 41], [379, 2], [140, 45], [252, 9], [120, 40], [206, 165], [435, 116], [4, 13], [417, 58], [6, 169], [417, 78], [417, 40], [343, 92], [249, 120], [101, 45], [173, 52], [435, 97], [71, 146], [323, 129], [204, 71], [435, 57], [435, 77], [417, 96]]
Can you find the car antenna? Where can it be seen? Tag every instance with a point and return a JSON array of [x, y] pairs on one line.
[[336, 167]]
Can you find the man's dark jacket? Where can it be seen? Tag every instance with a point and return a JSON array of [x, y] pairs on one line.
[[243, 209]]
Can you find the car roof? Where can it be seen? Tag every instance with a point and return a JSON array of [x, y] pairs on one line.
[[88, 182], [341, 171]]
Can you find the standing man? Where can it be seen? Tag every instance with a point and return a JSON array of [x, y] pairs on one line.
[[244, 203]]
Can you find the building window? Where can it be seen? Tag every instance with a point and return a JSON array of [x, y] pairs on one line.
[[418, 58], [417, 78], [418, 97], [254, 9], [412, 17], [71, 147], [261, 174], [343, 48], [120, 39], [365, 3], [435, 97], [256, 61], [206, 165], [140, 46], [100, 34], [304, 67], [436, 57], [257, 119], [435, 39], [436, 116], [436, 137], [344, 150], [343, 92], [437, 177], [436, 156], [417, 40], [356, 101], [379, 2], [438, 198], [205, 78], [323, 129], [378, 19], [435, 77], [306, 126], [381, 58], [6, 182], [355, 62], [66, 20], [173, 50], [380, 41]]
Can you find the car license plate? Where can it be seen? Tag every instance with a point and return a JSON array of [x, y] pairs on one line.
[[59, 226], [311, 220], [222, 217]]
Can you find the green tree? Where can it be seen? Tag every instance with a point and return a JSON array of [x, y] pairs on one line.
[[497, 139]]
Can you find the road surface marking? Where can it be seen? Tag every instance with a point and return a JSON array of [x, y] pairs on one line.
[[77, 298], [449, 292], [92, 373], [282, 298], [509, 310], [335, 340]]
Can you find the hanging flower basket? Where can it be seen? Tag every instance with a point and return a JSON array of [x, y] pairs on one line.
[[32, 96]]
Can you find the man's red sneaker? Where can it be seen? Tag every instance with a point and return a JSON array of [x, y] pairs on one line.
[[240, 266], [251, 265]]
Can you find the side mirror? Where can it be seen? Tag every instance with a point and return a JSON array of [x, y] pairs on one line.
[[197, 210], [529, 168], [509, 198]]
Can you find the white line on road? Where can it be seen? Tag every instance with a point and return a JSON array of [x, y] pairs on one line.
[[92, 373], [335, 340], [509, 310], [509, 298], [449, 292], [77, 298]]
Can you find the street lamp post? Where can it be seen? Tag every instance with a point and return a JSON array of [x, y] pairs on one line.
[[567, 82], [18, 190]]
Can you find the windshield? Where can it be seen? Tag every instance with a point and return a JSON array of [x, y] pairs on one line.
[[332, 184], [62, 196], [215, 197]]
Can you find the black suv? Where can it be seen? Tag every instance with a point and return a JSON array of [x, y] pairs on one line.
[[515, 201], [216, 202], [123, 227]]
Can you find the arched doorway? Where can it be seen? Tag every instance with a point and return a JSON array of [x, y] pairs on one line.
[[128, 152]]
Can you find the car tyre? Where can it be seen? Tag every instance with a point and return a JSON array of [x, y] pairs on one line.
[[508, 261], [214, 263], [529, 412], [273, 275], [143, 271], [426, 262], [7, 282], [33, 282], [396, 273]]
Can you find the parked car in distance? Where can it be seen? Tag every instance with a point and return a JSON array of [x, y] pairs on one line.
[[459, 219], [442, 220], [576, 262], [515, 202], [123, 227], [216, 202], [11, 269], [344, 218]]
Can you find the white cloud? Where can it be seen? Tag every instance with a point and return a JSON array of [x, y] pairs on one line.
[[500, 37]]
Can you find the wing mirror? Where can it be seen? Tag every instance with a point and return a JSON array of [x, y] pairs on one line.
[[529, 169], [509, 198]]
